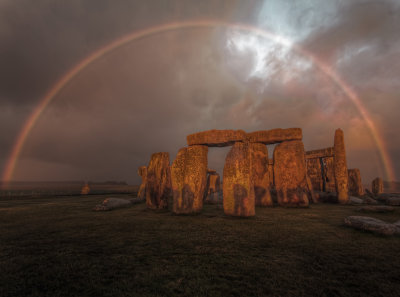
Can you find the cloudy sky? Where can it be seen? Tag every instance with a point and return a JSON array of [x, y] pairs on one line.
[[148, 94]]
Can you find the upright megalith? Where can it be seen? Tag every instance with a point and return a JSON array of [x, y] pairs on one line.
[[211, 194], [260, 174], [290, 174], [158, 181], [355, 185], [142, 172], [217, 138], [340, 168], [238, 186], [275, 135], [377, 186], [188, 177]]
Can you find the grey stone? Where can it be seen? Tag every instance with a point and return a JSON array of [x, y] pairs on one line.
[[372, 224]]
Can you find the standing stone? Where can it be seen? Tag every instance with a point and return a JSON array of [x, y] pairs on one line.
[[85, 189], [291, 174], [377, 186], [188, 176], [329, 174], [271, 172], [314, 171], [340, 168], [238, 187], [260, 174], [158, 181], [142, 172], [211, 194], [355, 185]]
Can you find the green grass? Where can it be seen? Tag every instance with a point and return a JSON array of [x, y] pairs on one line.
[[59, 247]]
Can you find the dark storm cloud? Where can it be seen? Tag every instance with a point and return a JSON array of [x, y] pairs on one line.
[[148, 95]]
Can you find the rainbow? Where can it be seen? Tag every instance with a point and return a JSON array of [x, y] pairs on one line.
[[51, 94]]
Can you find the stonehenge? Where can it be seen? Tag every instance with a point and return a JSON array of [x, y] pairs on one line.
[[340, 167], [377, 186], [142, 172], [291, 174], [211, 195], [188, 179], [158, 181], [290, 178]]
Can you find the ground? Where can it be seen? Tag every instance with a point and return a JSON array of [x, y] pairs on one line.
[[57, 246]]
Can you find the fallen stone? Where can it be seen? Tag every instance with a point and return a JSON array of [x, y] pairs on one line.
[[238, 187], [369, 200], [372, 224], [377, 186], [112, 203], [340, 168], [158, 181], [290, 174], [275, 135], [260, 174], [189, 178], [218, 138], [394, 201], [355, 200], [376, 208]]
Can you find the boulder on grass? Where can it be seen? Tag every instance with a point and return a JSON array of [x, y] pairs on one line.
[[112, 203], [372, 224], [376, 208]]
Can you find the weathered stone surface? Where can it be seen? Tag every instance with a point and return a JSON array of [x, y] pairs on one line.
[[355, 200], [290, 174], [372, 224], [320, 153], [369, 200], [216, 137], [85, 189], [340, 167], [188, 177], [376, 208], [275, 135], [112, 203], [314, 172], [329, 174], [377, 186], [260, 174], [238, 187], [393, 201], [271, 172], [213, 187], [142, 172], [158, 181], [355, 185]]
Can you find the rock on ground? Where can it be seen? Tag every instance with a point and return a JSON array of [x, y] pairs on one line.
[[394, 201], [112, 203], [376, 208], [372, 224], [355, 200]]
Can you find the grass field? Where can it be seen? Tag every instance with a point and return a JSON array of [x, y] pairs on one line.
[[57, 246]]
